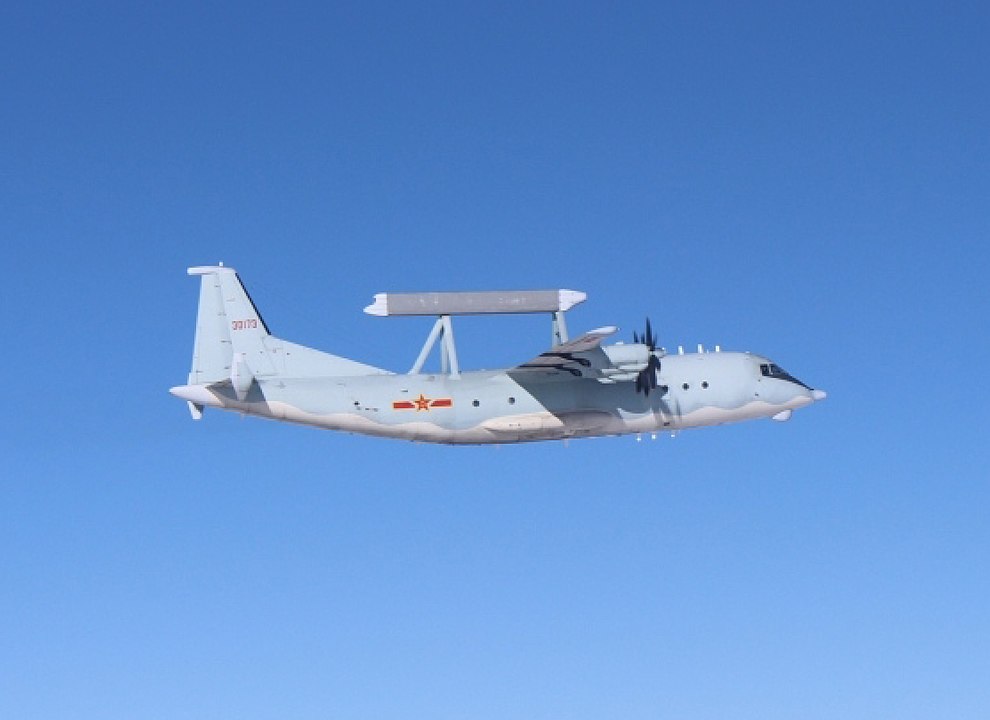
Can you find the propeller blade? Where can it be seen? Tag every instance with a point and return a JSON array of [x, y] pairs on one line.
[[647, 338], [646, 380]]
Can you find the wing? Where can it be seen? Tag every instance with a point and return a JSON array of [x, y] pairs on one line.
[[581, 357]]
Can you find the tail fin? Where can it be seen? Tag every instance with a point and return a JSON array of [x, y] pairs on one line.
[[230, 334], [233, 343]]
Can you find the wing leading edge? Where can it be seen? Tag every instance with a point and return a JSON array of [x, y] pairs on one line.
[[581, 357]]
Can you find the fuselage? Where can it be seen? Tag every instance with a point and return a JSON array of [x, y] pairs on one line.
[[494, 407]]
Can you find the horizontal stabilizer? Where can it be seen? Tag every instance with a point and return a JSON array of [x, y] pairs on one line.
[[198, 395]]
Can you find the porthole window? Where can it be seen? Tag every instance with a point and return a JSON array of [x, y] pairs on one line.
[[685, 386], [705, 384], [476, 403], [512, 401]]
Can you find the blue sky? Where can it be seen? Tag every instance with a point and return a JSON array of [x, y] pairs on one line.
[[808, 182]]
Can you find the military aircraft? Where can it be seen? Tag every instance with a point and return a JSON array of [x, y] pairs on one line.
[[577, 388]]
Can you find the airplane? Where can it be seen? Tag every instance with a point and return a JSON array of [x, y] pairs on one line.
[[577, 388]]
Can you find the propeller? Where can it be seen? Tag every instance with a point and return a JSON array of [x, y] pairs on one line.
[[647, 378], [648, 338]]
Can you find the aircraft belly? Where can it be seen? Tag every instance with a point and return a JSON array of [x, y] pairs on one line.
[[546, 425]]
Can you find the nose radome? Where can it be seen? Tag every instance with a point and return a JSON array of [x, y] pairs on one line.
[[819, 394]]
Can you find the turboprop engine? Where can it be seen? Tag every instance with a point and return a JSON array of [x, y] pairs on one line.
[[639, 361]]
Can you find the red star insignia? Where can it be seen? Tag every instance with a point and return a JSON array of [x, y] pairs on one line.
[[422, 402]]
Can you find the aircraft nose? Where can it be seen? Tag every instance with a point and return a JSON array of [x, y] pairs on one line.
[[818, 394]]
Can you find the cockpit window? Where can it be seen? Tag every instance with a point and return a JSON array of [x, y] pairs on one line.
[[773, 370]]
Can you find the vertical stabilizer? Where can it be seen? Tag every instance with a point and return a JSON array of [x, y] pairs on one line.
[[211, 350], [246, 328], [228, 325], [233, 345]]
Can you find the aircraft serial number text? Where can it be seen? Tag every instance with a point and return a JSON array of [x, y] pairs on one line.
[[244, 324]]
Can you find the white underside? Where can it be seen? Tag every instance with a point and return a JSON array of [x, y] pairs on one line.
[[524, 428]]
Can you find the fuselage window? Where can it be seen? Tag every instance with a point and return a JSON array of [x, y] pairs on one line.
[[476, 403], [705, 384], [685, 386]]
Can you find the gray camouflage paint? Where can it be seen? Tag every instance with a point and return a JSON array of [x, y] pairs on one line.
[[239, 366]]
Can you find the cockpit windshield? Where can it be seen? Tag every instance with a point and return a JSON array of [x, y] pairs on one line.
[[772, 370]]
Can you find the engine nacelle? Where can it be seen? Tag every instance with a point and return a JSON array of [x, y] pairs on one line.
[[628, 358]]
